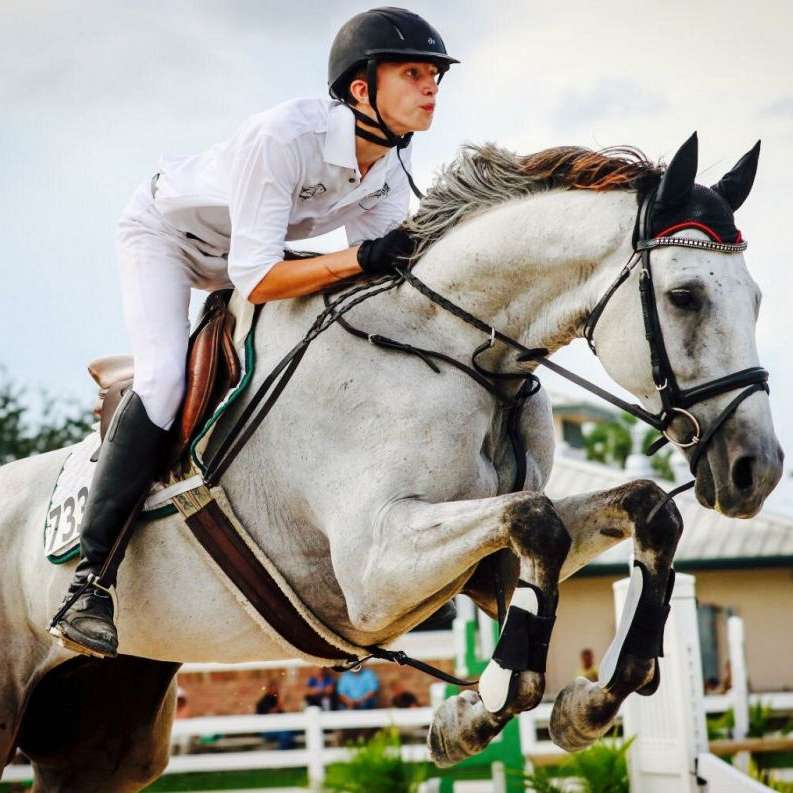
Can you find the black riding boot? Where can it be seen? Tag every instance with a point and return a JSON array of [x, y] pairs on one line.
[[128, 460]]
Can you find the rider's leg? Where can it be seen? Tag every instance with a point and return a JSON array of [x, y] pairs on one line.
[[156, 293]]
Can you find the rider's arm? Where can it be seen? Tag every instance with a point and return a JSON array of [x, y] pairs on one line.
[[264, 175], [305, 276]]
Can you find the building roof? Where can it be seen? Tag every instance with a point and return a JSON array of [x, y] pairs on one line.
[[710, 540]]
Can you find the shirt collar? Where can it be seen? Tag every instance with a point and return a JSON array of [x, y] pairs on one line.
[[340, 137], [340, 145]]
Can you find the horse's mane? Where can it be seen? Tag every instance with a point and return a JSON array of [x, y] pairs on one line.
[[482, 176]]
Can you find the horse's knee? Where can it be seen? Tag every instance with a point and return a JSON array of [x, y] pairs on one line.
[[536, 530], [663, 532]]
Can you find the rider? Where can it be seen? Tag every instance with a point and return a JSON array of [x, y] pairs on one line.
[[221, 218]]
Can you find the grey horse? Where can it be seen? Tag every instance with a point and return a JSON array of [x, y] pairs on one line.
[[380, 489]]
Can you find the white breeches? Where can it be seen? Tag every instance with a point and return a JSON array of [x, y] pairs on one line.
[[159, 265]]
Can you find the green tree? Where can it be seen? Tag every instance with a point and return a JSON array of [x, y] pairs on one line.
[[63, 421], [610, 443]]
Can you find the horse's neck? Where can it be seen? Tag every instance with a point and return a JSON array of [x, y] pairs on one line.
[[532, 268]]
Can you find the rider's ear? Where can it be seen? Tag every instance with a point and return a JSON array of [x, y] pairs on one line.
[[735, 185], [678, 179]]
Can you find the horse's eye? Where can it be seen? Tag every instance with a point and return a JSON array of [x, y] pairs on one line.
[[685, 299]]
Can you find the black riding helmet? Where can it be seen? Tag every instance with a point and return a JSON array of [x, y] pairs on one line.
[[382, 34]]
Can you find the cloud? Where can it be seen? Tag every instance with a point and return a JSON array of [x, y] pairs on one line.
[[607, 98], [781, 107]]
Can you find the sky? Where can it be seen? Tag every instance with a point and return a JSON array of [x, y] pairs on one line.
[[93, 93]]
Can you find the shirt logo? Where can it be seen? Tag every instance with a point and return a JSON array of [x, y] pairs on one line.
[[368, 202], [312, 191]]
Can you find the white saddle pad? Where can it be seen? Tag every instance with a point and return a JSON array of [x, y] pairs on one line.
[[67, 504]]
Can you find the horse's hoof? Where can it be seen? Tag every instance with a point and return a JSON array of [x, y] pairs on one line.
[[460, 728], [582, 713]]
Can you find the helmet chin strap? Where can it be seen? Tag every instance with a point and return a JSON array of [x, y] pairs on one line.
[[390, 140]]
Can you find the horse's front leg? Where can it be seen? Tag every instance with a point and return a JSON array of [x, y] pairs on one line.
[[514, 680], [584, 711]]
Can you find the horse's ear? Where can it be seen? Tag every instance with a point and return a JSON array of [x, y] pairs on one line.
[[735, 185], [678, 179]]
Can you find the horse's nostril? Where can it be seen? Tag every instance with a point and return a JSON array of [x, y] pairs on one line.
[[742, 473]]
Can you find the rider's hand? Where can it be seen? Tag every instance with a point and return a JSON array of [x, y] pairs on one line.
[[381, 255]]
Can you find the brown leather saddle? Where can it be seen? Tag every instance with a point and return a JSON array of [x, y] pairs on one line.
[[213, 367]]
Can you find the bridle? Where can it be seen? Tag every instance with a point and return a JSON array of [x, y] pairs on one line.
[[675, 401]]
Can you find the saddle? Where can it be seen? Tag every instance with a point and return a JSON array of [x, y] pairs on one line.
[[212, 369]]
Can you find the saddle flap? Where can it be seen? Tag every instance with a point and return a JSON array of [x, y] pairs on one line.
[[213, 367]]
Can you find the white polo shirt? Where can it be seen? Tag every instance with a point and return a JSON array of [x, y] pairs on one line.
[[288, 173]]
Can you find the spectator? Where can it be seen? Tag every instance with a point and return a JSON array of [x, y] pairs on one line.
[[269, 703], [588, 668], [358, 689], [401, 697], [321, 689]]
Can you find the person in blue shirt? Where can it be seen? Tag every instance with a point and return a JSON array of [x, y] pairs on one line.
[[357, 689], [321, 689]]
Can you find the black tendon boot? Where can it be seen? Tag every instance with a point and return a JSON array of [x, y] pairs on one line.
[[128, 460]]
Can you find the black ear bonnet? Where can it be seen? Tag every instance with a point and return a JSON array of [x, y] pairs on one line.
[[681, 204]]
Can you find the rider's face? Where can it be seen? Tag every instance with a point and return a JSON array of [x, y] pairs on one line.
[[406, 94]]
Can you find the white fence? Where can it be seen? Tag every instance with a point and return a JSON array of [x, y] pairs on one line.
[[314, 724]]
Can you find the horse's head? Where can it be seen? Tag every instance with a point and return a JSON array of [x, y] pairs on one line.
[[699, 311]]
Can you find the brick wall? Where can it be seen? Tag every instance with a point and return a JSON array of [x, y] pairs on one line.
[[230, 693]]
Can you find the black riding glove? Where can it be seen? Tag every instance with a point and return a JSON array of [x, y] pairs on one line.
[[380, 256]]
